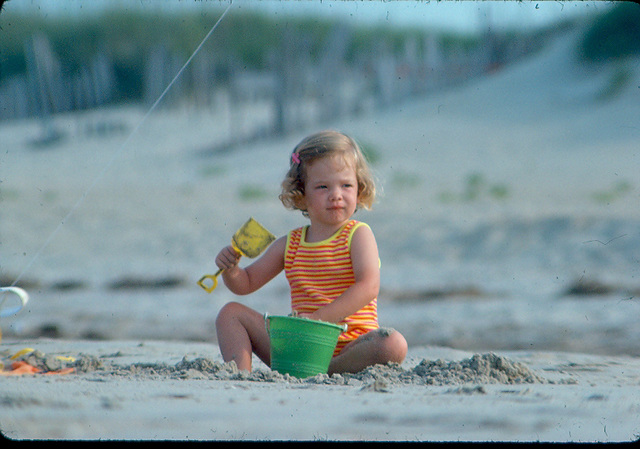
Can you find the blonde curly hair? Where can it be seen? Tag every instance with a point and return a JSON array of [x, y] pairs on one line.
[[317, 146]]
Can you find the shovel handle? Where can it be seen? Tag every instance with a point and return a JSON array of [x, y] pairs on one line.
[[214, 281]]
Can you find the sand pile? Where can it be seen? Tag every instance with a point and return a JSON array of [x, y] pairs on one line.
[[479, 369]]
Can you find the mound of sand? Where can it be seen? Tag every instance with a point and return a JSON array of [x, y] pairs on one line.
[[486, 368]]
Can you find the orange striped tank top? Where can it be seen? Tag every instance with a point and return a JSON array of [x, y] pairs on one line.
[[320, 272]]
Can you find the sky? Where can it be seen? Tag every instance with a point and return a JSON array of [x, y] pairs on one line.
[[465, 16], [460, 16]]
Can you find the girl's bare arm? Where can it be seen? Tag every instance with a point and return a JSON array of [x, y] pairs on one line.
[[365, 260]]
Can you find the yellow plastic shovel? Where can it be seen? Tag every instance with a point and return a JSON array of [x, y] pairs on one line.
[[250, 240]]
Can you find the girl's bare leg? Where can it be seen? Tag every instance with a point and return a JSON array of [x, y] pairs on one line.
[[241, 331], [378, 346]]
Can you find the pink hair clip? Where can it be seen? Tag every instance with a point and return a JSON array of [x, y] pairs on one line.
[[295, 158]]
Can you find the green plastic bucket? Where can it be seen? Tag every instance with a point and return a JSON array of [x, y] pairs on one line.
[[301, 347]]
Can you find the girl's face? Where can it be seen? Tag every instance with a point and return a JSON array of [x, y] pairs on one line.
[[331, 192]]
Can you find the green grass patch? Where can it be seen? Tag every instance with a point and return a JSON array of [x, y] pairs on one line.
[[475, 187], [617, 191], [370, 152], [405, 180], [252, 192], [618, 80], [212, 171]]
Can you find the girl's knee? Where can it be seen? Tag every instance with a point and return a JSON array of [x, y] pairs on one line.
[[393, 346], [229, 311]]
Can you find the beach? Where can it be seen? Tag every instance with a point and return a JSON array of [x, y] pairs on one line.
[[508, 229], [172, 390]]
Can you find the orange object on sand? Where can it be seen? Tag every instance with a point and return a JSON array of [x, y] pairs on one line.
[[60, 371], [20, 368]]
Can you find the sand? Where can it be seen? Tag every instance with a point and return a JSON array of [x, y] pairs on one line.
[[183, 391], [501, 200]]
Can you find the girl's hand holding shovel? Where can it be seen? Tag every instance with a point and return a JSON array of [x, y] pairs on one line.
[[228, 258]]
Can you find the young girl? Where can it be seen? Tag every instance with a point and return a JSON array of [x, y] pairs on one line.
[[332, 264]]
